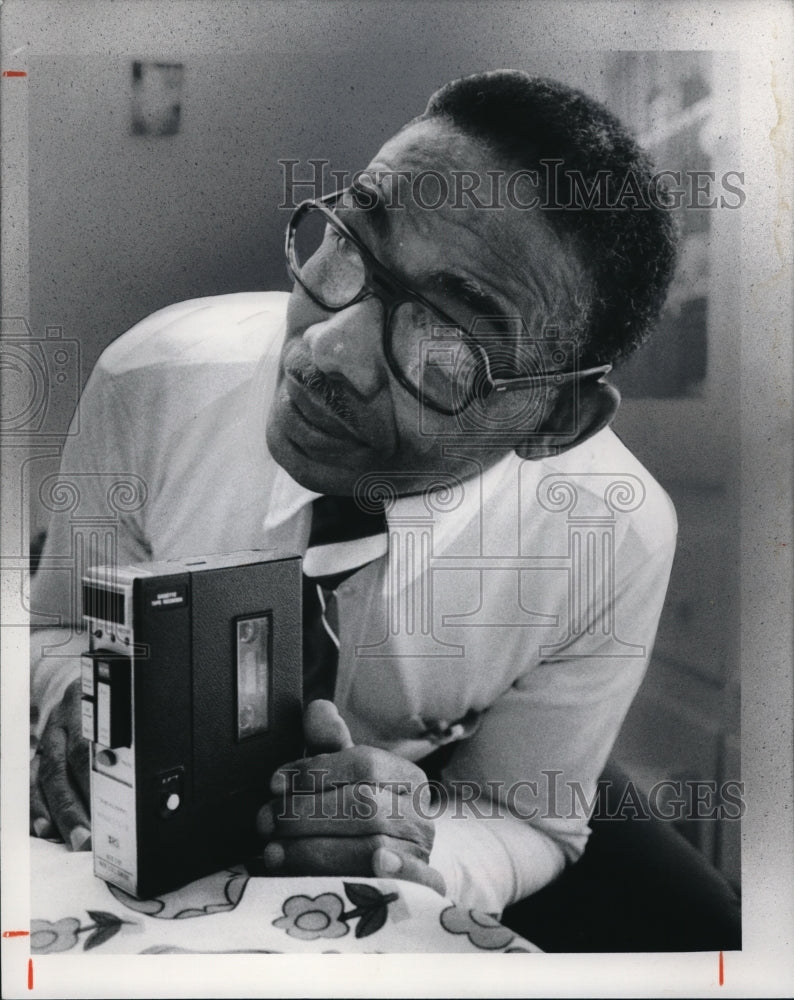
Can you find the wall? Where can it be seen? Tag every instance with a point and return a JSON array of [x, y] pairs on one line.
[[123, 224]]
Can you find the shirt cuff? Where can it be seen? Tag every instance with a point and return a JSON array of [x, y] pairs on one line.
[[490, 863]]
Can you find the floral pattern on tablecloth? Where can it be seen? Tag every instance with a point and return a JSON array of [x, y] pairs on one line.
[[324, 916], [218, 893], [239, 913], [48, 937], [482, 929]]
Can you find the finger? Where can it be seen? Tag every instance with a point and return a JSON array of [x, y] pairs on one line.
[[78, 765], [354, 764], [389, 864], [328, 855], [324, 729], [349, 811], [40, 822], [61, 796], [78, 758]]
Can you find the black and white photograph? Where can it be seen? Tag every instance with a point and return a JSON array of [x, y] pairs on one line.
[[397, 476]]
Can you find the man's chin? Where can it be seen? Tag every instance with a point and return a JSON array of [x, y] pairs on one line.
[[313, 472]]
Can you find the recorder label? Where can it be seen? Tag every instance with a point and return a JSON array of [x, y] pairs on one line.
[[172, 597], [113, 806]]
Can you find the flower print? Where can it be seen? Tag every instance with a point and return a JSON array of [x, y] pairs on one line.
[[47, 937], [324, 916], [216, 893], [311, 918], [483, 929]]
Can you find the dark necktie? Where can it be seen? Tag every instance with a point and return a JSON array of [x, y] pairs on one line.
[[343, 538]]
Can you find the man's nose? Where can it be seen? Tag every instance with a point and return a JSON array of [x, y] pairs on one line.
[[347, 345]]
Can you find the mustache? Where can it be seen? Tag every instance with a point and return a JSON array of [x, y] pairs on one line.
[[331, 393]]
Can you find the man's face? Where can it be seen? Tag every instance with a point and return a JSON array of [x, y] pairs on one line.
[[339, 412]]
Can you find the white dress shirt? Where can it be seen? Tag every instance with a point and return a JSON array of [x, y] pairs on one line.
[[513, 615]]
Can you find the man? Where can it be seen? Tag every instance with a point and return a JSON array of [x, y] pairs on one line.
[[450, 359]]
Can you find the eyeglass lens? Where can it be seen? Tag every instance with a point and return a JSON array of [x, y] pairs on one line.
[[431, 356], [328, 264]]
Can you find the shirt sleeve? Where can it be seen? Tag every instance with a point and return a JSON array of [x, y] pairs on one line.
[[117, 496], [96, 502], [531, 769]]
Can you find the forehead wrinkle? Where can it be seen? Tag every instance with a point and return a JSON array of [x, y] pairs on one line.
[[539, 279], [545, 265], [469, 291], [442, 146], [502, 301], [528, 276]]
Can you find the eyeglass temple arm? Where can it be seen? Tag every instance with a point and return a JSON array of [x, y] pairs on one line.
[[505, 384]]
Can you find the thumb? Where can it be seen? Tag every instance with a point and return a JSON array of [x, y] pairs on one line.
[[324, 729], [389, 864]]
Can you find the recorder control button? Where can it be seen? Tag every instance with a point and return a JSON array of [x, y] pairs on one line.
[[107, 757], [171, 787]]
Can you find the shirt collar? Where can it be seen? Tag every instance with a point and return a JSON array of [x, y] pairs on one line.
[[453, 507]]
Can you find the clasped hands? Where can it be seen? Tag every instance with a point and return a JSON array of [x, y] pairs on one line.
[[348, 810], [342, 810]]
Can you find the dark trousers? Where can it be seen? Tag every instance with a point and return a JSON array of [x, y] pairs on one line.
[[640, 886]]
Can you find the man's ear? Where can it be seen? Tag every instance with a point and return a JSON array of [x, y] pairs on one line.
[[573, 420]]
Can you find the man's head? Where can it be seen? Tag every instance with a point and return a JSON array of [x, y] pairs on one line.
[[596, 276]]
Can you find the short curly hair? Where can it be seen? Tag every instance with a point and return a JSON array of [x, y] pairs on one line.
[[627, 253]]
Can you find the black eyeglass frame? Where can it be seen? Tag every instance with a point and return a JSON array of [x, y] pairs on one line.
[[379, 282]]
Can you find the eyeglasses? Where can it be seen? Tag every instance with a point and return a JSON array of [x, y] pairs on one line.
[[435, 358]]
